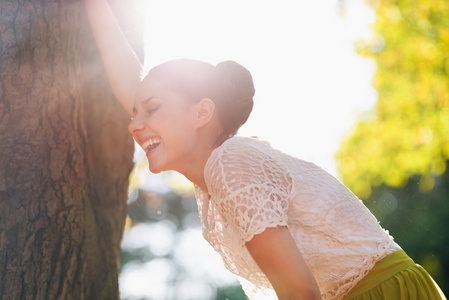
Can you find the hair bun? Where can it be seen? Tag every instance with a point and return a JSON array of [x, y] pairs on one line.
[[239, 103]]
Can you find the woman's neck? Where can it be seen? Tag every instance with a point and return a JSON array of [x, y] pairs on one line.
[[205, 146], [194, 170]]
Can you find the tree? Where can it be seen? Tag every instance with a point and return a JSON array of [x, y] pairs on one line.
[[65, 156]]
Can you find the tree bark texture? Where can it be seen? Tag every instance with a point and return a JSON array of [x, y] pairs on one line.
[[65, 156]]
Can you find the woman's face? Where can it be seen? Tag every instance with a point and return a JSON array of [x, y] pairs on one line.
[[164, 126]]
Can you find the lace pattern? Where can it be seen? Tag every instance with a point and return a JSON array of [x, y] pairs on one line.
[[252, 186]]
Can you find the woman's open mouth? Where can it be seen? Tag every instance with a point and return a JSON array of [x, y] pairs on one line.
[[151, 144]]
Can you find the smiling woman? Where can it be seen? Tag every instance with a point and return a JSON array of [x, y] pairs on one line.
[[323, 242], [207, 104]]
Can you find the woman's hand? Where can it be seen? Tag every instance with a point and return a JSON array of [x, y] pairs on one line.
[[277, 255], [122, 65]]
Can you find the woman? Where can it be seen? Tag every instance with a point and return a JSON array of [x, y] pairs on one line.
[[283, 224]]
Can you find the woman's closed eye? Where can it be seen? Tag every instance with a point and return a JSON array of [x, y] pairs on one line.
[[151, 110], [150, 105]]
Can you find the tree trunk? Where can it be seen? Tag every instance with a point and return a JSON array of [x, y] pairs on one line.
[[65, 156]]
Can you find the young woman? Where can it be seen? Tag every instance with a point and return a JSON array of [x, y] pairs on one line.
[[283, 224]]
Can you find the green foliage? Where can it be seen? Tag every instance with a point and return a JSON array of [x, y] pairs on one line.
[[396, 156], [418, 222], [407, 132], [232, 292]]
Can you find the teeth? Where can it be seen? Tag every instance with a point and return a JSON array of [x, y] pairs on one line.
[[150, 142]]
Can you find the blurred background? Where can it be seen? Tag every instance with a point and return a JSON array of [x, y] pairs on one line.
[[359, 87]]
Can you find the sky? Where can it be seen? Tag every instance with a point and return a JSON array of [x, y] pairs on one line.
[[310, 83], [310, 87]]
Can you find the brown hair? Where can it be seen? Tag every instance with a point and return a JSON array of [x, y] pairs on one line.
[[229, 85]]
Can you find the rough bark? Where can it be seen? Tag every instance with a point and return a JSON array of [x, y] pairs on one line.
[[65, 156]]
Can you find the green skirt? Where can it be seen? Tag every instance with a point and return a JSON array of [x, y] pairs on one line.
[[396, 277]]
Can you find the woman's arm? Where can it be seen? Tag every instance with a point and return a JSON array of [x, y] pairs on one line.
[[120, 61], [277, 255]]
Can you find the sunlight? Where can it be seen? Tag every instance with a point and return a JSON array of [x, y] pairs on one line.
[[310, 84]]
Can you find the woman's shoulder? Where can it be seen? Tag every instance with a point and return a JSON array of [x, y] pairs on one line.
[[233, 150], [240, 143], [237, 149], [243, 160]]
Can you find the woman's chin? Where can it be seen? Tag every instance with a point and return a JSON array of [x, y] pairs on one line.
[[155, 170]]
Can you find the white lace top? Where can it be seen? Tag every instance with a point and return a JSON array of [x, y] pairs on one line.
[[252, 186]]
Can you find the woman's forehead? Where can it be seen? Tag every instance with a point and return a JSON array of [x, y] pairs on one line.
[[153, 90], [148, 88]]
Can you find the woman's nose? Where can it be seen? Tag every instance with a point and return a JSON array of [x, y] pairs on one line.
[[135, 125]]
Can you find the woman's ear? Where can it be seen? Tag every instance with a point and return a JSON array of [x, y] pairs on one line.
[[205, 111]]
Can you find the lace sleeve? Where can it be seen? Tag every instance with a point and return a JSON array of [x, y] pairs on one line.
[[251, 191]]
